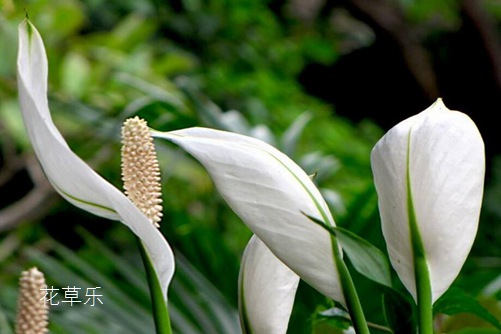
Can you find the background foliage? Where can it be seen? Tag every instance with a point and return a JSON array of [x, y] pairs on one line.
[[320, 80]]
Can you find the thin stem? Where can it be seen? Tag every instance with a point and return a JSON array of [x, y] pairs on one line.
[[350, 293], [159, 304], [424, 301]]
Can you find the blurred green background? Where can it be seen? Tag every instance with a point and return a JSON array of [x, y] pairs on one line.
[[321, 80]]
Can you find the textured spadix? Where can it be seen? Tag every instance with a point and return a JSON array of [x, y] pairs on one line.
[[32, 309], [436, 156], [69, 175], [271, 194], [140, 169], [267, 289]]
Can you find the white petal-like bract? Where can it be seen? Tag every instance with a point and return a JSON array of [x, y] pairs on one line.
[[267, 289], [272, 195], [439, 155], [70, 176]]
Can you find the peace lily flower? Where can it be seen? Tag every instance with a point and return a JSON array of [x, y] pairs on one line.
[[429, 175], [266, 291], [272, 195], [278, 201], [69, 175]]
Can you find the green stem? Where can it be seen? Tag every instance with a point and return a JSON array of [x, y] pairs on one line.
[[424, 301], [350, 293], [422, 275], [159, 304]]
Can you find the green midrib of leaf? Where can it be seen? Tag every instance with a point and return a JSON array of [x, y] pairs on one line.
[[421, 271]]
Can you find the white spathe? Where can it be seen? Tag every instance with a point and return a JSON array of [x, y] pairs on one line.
[[266, 290], [271, 194], [444, 155], [70, 176]]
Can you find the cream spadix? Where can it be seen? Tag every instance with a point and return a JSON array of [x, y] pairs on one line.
[[272, 195], [266, 291], [430, 165], [70, 176]]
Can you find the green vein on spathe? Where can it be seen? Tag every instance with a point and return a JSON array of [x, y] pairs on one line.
[[82, 201], [421, 270], [317, 204]]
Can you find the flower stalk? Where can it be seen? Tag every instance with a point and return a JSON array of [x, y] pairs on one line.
[[350, 294]]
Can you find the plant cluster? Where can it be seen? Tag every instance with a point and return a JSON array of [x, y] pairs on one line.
[[114, 60]]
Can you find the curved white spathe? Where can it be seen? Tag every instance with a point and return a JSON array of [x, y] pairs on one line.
[[271, 194], [70, 176], [443, 152], [266, 291]]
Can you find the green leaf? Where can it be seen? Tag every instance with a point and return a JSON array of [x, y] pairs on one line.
[[366, 258], [456, 301]]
